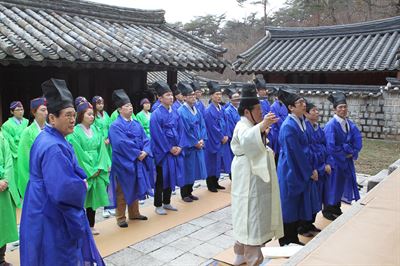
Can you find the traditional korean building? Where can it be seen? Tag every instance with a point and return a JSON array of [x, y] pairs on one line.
[[96, 48]]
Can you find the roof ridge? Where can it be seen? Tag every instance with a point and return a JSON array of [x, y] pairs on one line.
[[92, 9], [381, 25]]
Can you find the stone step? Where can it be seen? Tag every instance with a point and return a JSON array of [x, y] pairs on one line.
[[394, 166], [374, 180]]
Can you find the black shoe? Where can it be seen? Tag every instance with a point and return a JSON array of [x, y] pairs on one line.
[[187, 199], [314, 229], [330, 216], [194, 197], [212, 189], [140, 217], [219, 187], [123, 224]]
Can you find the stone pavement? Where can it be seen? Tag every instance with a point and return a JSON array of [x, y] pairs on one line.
[[192, 243]]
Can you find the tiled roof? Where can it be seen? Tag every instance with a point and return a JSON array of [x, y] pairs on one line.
[[368, 46], [68, 32], [162, 75]]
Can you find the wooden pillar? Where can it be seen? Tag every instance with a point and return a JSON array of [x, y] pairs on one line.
[[172, 77], [398, 75]]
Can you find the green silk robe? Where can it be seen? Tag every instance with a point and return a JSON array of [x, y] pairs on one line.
[[12, 133], [92, 156], [9, 199], [28, 136], [144, 121]]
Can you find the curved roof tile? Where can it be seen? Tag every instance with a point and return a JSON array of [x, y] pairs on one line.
[[62, 32], [368, 46]]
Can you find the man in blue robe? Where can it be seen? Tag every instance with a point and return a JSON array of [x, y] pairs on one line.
[[178, 99], [54, 229], [262, 91], [280, 111], [319, 160], [344, 142], [218, 153], [194, 136], [297, 178], [231, 112], [155, 105], [132, 175], [166, 135], [198, 92]]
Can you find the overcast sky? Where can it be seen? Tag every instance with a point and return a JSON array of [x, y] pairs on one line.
[[186, 10]]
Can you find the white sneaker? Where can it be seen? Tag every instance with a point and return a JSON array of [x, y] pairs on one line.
[[112, 212], [161, 211], [16, 243], [169, 207], [106, 214], [141, 202], [94, 231]]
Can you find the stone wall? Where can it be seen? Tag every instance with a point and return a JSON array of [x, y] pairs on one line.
[[377, 116]]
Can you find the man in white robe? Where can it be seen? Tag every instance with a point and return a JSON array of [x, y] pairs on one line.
[[256, 208]]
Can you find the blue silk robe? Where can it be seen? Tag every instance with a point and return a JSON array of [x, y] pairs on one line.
[[265, 107], [232, 117], [280, 110], [54, 228], [155, 106], [319, 159], [194, 130], [299, 194], [343, 182], [165, 133], [200, 107], [218, 155], [176, 105], [136, 177]]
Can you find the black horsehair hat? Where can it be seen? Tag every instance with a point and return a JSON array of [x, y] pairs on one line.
[[161, 87], [185, 88], [120, 98], [337, 98], [57, 95]]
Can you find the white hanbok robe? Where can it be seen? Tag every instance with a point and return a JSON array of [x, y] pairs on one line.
[[256, 208]]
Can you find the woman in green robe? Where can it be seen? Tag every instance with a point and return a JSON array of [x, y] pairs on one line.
[[92, 156], [12, 130], [101, 119], [28, 136], [9, 199], [143, 117]]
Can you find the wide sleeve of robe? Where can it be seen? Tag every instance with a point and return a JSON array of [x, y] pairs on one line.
[[160, 144], [188, 139], [214, 131], [28, 136], [122, 145], [7, 171], [299, 165], [66, 191]]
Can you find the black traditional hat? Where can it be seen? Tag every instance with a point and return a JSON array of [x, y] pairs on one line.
[[230, 90], [288, 97], [120, 98], [337, 98], [213, 86], [57, 95], [176, 91], [248, 97], [260, 83], [195, 85], [185, 88], [309, 106], [161, 87]]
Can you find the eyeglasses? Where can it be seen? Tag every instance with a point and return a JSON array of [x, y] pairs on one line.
[[70, 115]]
